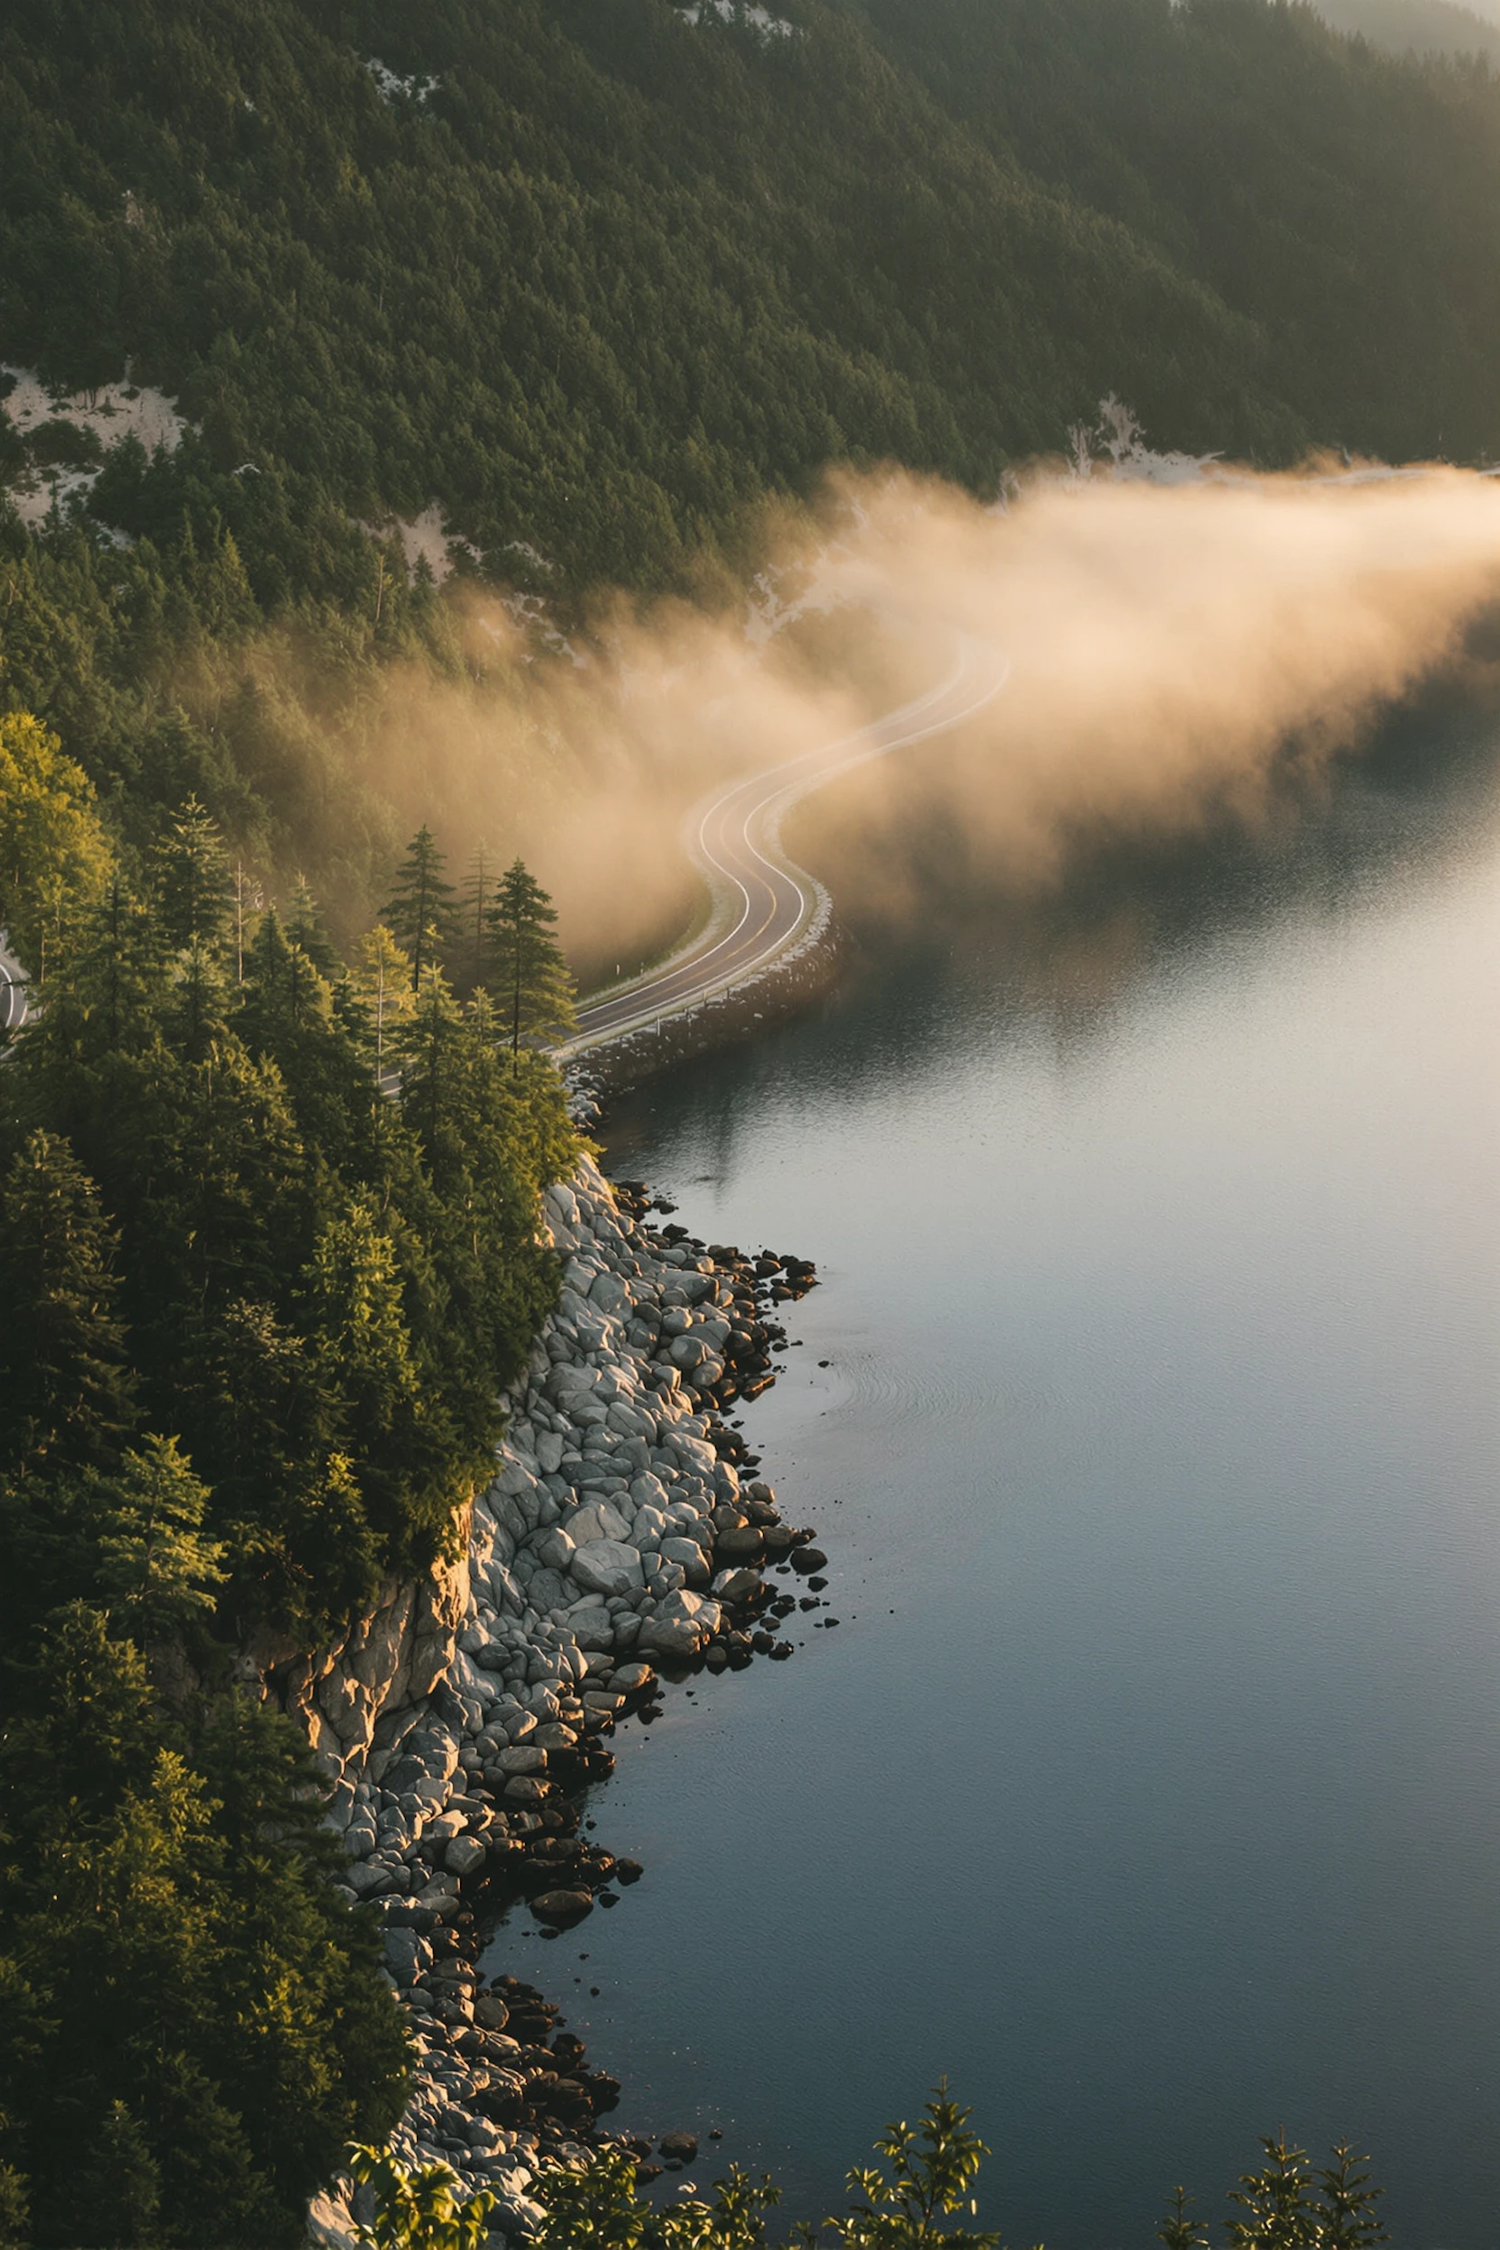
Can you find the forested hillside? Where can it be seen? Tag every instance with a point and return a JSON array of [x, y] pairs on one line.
[[595, 275], [1419, 27], [597, 279]]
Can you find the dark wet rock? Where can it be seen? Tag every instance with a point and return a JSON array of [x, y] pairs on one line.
[[525, 1789], [781, 1652], [679, 2148], [562, 1906], [744, 1544], [628, 1871], [807, 1559], [736, 1587]]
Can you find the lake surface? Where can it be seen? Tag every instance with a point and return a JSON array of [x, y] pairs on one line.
[[1150, 1784]]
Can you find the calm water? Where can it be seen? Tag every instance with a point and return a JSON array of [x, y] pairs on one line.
[[1150, 1786]]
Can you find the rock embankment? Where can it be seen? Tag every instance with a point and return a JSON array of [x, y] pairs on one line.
[[625, 1534]]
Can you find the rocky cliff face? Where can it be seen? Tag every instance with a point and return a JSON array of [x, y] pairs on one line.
[[347, 1697], [458, 1723]]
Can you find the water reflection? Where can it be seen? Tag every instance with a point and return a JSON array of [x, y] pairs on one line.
[[1151, 1784]]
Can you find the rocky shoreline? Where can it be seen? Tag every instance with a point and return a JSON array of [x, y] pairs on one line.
[[625, 1538]]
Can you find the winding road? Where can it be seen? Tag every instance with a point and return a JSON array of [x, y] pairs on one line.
[[13, 983], [763, 904]]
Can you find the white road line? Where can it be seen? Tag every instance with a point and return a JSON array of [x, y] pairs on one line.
[[726, 840]]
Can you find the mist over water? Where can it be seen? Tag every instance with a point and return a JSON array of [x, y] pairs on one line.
[[1172, 653], [1150, 1784]]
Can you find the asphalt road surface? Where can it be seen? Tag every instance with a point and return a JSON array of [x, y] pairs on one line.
[[12, 992], [762, 901]]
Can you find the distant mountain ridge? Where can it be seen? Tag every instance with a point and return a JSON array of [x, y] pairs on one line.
[[1420, 27]]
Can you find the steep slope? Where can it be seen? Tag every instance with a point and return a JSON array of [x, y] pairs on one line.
[[595, 275]]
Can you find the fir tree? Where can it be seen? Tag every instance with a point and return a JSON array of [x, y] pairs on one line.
[[1349, 2218], [382, 982], [305, 927], [1277, 2201], [157, 1568], [195, 884], [527, 973], [54, 856], [421, 911], [65, 1389], [478, 896]]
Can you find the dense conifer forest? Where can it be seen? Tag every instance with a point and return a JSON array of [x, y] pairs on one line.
[[599, 279]]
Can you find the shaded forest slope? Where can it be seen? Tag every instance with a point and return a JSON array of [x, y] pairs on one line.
[[596, 276]]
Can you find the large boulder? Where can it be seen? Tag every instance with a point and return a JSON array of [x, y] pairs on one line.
[[689, 1554], [522, 1757], [597, 1520], [609, 1293], [593, 1629], [607, 1566], [682, 1624], [553, 1548]]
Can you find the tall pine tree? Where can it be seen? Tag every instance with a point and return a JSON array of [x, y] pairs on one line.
[[65, 1388], [195, 884], [421, 910], [530, 980]]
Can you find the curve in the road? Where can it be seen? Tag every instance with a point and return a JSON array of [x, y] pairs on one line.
[[13, 984], [764, 905]]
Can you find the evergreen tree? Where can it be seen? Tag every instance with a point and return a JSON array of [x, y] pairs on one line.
[[305, 927], [157, 1570], [382, 982], [1278, 2205], [478, 895], [527, 973], [66, 1394], [195, 884], [199, 1010], [54, 855], [1179, 2230], [421, 909], [1349, 2220]]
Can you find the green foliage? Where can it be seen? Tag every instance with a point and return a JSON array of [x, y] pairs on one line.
[[157, 1570], [194, 885], [53, 851], [421, 913], [418, 2210], [1179, 2230], [1347, 2214], [194, 2024], [1287, 2206], [523, 965], [65, 1389], [219, 1221], [597, 2206], [933, 2168]]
